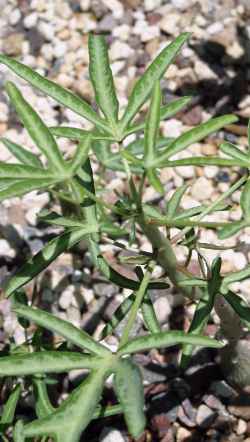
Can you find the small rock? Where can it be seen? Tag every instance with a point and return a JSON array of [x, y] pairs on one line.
[[183, 435], [203, 71], [6, 249], [15, 16], [193, 117], [120, 50], [235, 50], [241, 427], [170, 23], [160, 423], [4, 112], [202, 189], [85, 5], [107, 23], [162, 309], [111, 435], [151, 5], [182, 5], [172, 128], [115, 6], [60, 49], [213, 402], [205, 416], [47, 30], [211, 171], [102, 289], [12, 45], [30, 20]]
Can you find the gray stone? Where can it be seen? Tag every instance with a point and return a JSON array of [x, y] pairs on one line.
[[111, 435], [205, 416]]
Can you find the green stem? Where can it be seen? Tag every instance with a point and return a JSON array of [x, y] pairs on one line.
[[139, 295]]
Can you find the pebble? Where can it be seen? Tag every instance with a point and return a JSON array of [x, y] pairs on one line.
[[172, 128], [111, 435], [183, 435], [241, 427], [202, 189], [205, 416], [30, 20], [223, 389], [6, 249], [15, 17], [203, 71], [12, 45], [151, 5], [4, 112], [120, 50], [170, 23], [162, 309]]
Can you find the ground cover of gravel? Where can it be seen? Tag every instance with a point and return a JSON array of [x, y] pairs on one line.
[[51, 36]]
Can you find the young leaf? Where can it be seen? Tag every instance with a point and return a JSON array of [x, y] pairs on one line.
[[149, 315], [42, 402], [81, 154], [23, 155], [245, 201], [240, 307], [129, 389], [61, 327], [45, 362], [9, 408], [43, 258], [61, 95], [118, 316], [102, 78], [234, 277], [155, 181], [174, 202], [153, 73], [38, 131], [193, 136], [167, 339], [18, 432], [231, 229], [152, 126], [233, 151]]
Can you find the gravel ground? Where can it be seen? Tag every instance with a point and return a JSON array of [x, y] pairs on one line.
[[51, 36]]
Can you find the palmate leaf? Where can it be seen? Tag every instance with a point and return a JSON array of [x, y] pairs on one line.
[[61, 327], [205, 161], [46, 362], [193, 136], [167, 339], [70, 419], [129, 389], [37, 130], [154, 72], [21, 154], [9, 407], [102, 79], [81, 154], [75, 133], [61, 95], [21, 171], [43, 258]]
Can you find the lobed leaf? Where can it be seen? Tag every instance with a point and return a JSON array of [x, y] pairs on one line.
[[129, 389], [81, 154], [8, 412], [233, 151], [173, 204], [61, 327], [193, 136], [102, 79], [43, 259], [204, 161], [245, 201], [23, 172], [61, 95], [22, 155], [152, 126], [153, 73], [167, 339], [21, 187], [45, 362], [36, 128]]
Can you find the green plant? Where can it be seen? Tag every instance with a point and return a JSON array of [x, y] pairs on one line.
[[85, 215]]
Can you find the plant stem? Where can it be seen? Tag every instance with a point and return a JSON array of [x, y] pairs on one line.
[[139, 295]]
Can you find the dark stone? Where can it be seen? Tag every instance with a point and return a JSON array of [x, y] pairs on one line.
[[36, 40]]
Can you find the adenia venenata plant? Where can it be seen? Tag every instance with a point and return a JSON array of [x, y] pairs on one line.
[[85, 215]]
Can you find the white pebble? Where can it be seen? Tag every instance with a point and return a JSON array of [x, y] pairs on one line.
[[60, 49], [4, 112], [6, 249], [14, 16], [30, 20], [120, 50], [150, 5], [172, 128], [47, 30], [202, 189], [115, 6], [210, 171]]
